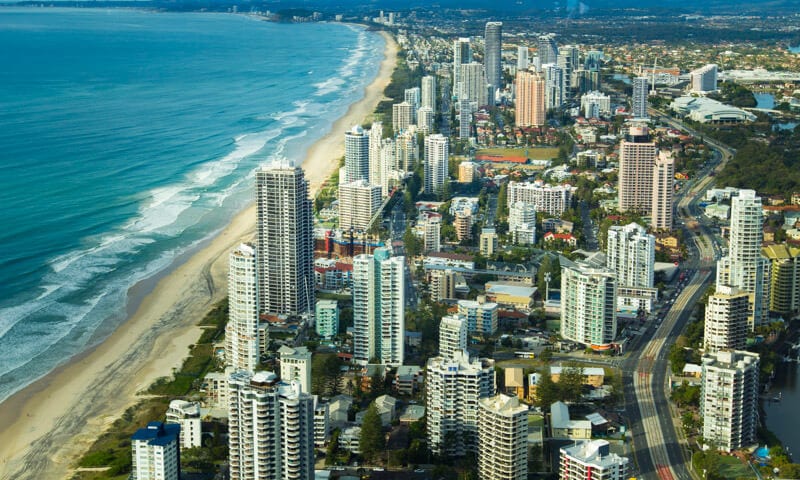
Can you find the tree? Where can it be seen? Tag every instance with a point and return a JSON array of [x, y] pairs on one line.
[[502, 202], [546, 392], [326, 374], [372, 441], [570, 383], [412, 243]]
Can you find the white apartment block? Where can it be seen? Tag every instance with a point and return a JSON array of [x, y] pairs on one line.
[[359, 202], [553, 199], [326, 320], [356, 154], [725, 326], [639, 100], [379, 307], [522, 223], [595, 105], [375, 143], [425, 118], [321, 422], [502, 438], [464, 119], [473, 86], [481, 317], [663, 192], [591, 459], [729, 399], [406, 149], [155, 452], [462, 53], [429, 92], [588, 305], [187, 415], [744, 266], [285, 235], [402, 116], [241, 331], [631, 254], [488, 241], [453, 388], [270, 429], [436, 162], [554, 85], [432, 234], [452, 335], [637, 156], [704, 79], [413, 96], [296, 366]]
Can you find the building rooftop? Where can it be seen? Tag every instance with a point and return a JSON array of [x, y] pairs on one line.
[[559, 418], [158, 433], [509, 288], [596, 452]]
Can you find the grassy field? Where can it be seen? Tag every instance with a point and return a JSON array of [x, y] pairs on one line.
[[732, 467], [538, 153]]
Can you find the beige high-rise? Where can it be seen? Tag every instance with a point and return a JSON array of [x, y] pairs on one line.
[[663, 179], [531, 108], [637, 155]]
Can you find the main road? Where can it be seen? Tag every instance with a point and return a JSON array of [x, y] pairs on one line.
[[658, 449]]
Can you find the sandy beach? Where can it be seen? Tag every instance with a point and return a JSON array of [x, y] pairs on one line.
[[46, 427]]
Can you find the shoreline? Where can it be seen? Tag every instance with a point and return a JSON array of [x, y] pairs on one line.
[[46, 426]]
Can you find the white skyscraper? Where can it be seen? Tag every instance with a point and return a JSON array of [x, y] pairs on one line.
[[406, 150], [378, 307], [402, 116], [744, 266], [588, 305], [375, 165], [296, 366], [553, 85], [436, 162], [156, 452], [452, 335], [631, 254], [429, 92], [547, 49], [729, 399], [187, 415], [358, 203], [725, 326], [704, 79], [270, 429], [502, 438], [522, 223], [356, 154], [413, 96], [285, 249], [493, 56], [522, 57], [473, 86], [639, 99], [432, 236], [241, 332], [462, 53], [453, 388], [425, 118], [464, 119], [591, 459]]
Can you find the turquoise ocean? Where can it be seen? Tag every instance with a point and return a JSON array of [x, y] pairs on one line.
[[127, 138]]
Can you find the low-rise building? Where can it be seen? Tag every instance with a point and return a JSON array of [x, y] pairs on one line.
[[187, 415], [511, 294], [591, 459], [564, 428]]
